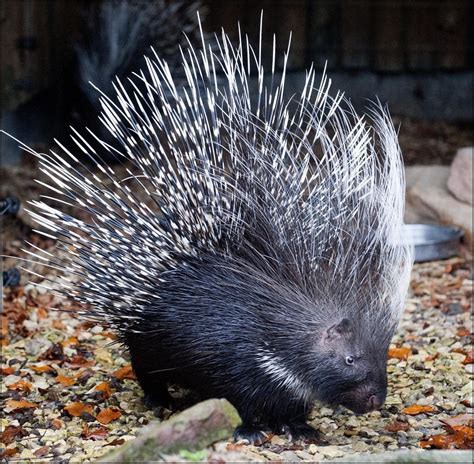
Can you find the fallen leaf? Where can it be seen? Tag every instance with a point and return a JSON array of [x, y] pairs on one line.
[[460, 420], [397, 426], [97, 433], [116, 442], [469, 359], [21, 385], [418, 409], [70, 341], [41, 452], [65, 381], [399, 353], [460, 438], [57, 423], [39, 369], [6, 370], [108, 415], [78, 361], [124, 373], [12, 405], [10, 433], [8, 452], [432, 357], [105, 389], [463, 332], [57, 324], [77, 409]]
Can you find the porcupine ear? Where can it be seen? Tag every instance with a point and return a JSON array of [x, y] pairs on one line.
[[341, 329]]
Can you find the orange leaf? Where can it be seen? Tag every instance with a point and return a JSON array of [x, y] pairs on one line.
[[105, 389], [6, 370], [65, 381], [77, 409], [41, 368], [97, 433], [21, 404], [108, 415], [124, 373], [57, 324], [397, 426], [432, 357], [57, 423], [21, 385], [42, 313], [399, 353], [463, 332], [8, 452], [70, 341], [10, 433], [415, 409], [469, 359], [456, 421]]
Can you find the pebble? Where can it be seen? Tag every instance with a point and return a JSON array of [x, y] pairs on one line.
[[469, 368], [331, 451]]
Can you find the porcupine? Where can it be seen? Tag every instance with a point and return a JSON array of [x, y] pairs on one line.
[[117, 36], [270, 270]]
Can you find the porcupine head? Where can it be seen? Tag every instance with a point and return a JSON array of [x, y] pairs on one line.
[[266, 264]]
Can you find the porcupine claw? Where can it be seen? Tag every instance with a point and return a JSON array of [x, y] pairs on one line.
[[253, 434]]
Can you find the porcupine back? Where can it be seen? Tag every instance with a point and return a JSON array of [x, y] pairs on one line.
[[302, 189]]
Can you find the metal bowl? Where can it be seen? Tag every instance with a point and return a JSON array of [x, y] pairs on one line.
[[432, 242]]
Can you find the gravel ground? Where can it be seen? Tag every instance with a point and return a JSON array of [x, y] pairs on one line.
[[68, 392]]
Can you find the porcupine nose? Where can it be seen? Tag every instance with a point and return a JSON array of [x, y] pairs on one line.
[[375, 402]]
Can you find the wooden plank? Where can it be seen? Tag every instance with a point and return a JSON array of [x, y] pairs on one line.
[[420, 33], [324, 32], [451, 44], [356, 33], [387, 21]]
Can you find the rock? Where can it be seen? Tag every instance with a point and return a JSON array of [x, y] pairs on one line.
[[331, 451], [460, 176], [429, 200], [415, 456], [193, 429]]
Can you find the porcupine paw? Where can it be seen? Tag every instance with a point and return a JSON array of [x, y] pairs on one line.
[[299, 430], [157, 404], [253, 434]]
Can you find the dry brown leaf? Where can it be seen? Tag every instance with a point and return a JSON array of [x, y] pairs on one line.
[[10, 433], [415, 409], [8, 453], [41, 452], [12, 405], [70, 341], [460, 437], [21, 385], [105, 389], [7, 370], [124, 373], [469, 359], [65, 381], [460, 420], [432, 357], [97, 433], [397, 426], [108, 415], [116, 442], [399, 353], [77, 409], [57, 423], [463, 332], [39, 369]]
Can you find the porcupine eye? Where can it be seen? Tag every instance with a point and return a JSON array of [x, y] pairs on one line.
[[349, 360]]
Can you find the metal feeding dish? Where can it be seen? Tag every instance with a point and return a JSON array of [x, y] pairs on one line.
[[432, 242]]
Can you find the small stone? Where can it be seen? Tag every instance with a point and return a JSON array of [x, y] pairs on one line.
[[469, 368], [367, 432], [313, 449], [415, 434], [331, 451], [326, 412], [360, 447]]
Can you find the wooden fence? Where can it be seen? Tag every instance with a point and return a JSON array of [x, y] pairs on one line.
[[381, 35]]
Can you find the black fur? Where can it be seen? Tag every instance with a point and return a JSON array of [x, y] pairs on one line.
[[213, 318]]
